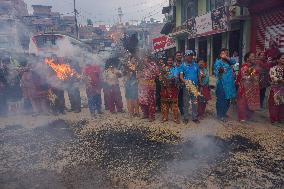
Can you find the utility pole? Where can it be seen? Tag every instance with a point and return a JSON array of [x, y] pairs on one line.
[[76, 21]]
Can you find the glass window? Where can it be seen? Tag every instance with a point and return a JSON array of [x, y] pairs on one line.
[[189, 9], [214, 4], [46, 41]]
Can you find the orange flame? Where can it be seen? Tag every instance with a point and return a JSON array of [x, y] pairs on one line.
[[63, 71]]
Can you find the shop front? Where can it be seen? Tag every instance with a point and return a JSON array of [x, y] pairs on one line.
[[180, 34], [208, 31], [267, 24]]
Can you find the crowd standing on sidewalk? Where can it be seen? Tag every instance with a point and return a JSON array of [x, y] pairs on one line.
[[172, 85]]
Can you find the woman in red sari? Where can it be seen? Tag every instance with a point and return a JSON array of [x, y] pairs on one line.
[[276, 96], [169, 90], [147, 88], [248, 98]]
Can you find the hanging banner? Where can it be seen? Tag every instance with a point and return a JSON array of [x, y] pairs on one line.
[[203, 24], [220, 19], [191, 24], [211, 23], [163, 43]]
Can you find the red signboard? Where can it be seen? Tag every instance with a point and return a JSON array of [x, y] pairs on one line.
[[163, 43]]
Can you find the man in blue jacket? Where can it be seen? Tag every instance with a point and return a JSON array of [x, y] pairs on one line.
[[189, 71]]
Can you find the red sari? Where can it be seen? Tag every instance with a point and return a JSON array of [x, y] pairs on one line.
[[276, 95], [147, 90], [169, 94], [248, 98]]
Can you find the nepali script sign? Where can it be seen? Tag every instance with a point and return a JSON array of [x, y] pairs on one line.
[[210, 23], [163, 43]]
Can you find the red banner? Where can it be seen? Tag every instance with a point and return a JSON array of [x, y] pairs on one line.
[[163, 43]]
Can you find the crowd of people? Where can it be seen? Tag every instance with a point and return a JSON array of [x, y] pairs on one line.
[[171, 84], [176, 83], [38, 86]]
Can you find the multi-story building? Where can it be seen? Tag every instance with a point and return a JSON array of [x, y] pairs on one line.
[[13, 36], [95, 36], [13, 8], [43, 19], [145, 32], [68, 25], [206, 26]]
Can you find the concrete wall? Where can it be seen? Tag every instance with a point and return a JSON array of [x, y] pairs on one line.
[[246, 36], [202, 7], [178, 13]]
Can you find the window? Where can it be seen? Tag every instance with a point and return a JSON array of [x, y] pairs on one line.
[[189, 9], [46, 41], [214, 4]]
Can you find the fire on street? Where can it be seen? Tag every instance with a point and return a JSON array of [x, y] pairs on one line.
[[142, 94]]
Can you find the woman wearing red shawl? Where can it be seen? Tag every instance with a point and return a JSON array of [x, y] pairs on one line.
[[169, 90], [276, 96], [35, 89], [93, 84], [248, 98], [147, 88]]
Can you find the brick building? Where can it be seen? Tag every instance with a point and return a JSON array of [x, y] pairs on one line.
[[13, 35]]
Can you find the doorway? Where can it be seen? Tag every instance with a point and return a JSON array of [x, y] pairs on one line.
[[182, 45], [202, 48], [234, 42], [191, 44]]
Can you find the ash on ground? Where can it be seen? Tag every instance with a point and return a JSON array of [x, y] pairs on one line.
[[118, 154]]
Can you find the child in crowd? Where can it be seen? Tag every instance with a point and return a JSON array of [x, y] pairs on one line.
[[203, 87], [131, 89]]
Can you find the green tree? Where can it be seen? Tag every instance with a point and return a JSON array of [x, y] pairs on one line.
[[89, 22]]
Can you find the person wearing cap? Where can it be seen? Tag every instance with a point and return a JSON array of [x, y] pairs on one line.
[[225, 86], [189, 72]]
